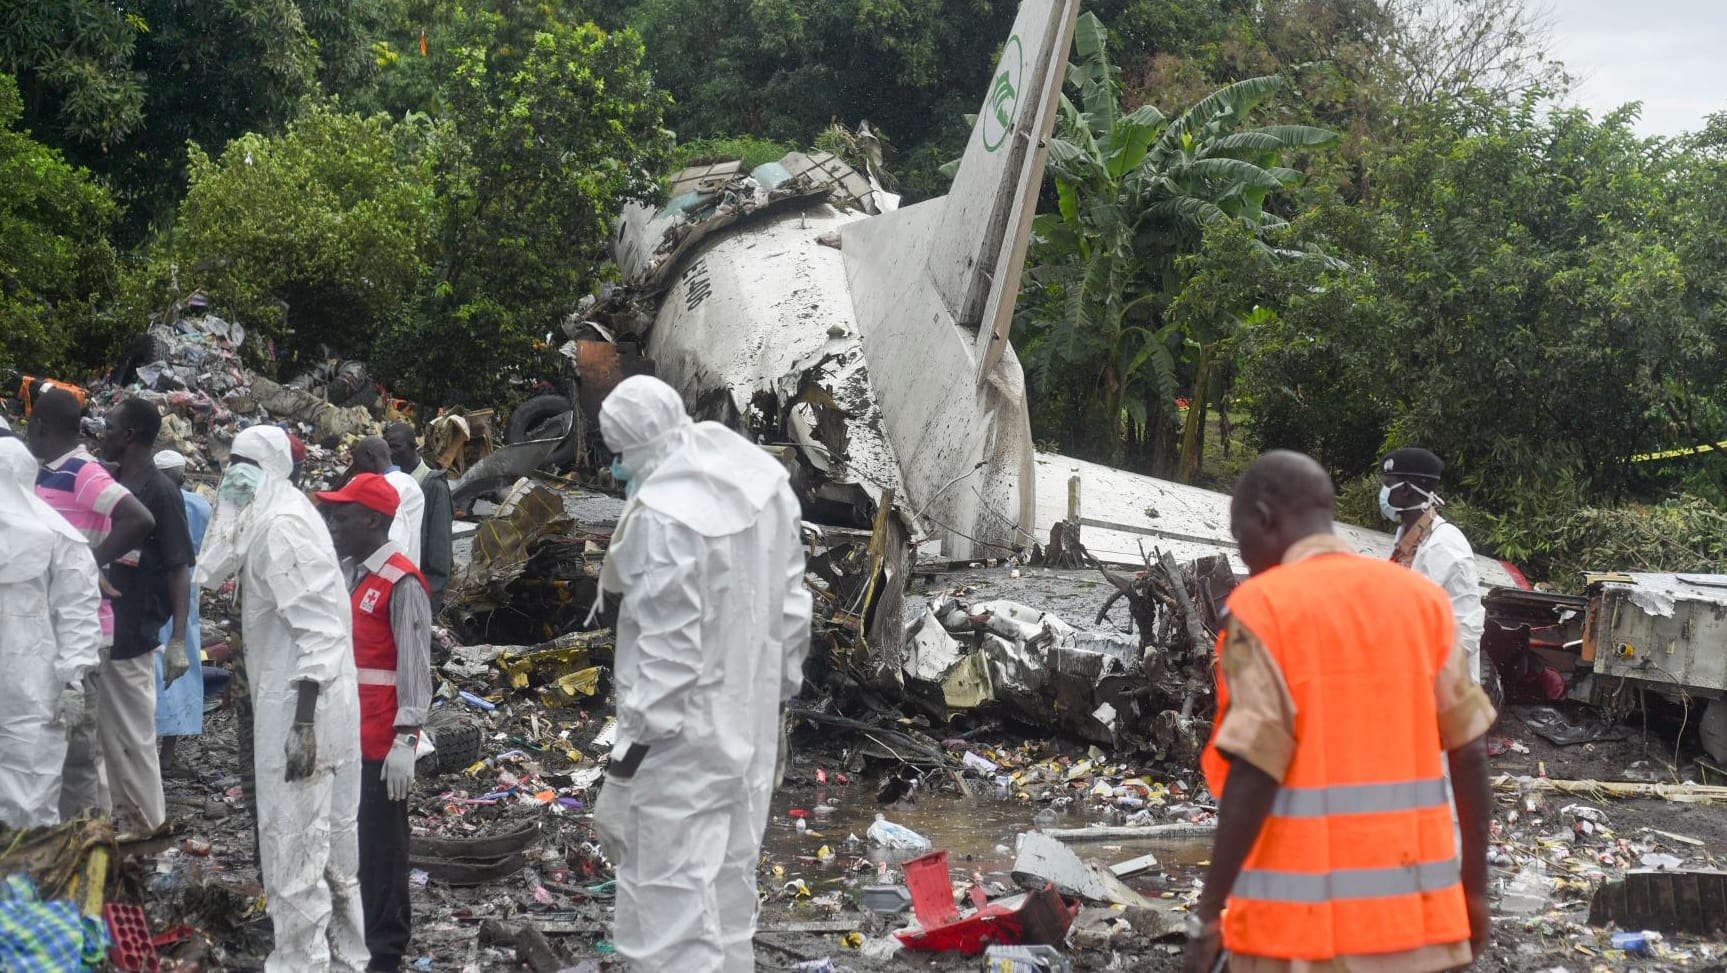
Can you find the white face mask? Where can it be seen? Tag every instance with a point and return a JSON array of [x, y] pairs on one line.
[[1396, 513], [240, 484]]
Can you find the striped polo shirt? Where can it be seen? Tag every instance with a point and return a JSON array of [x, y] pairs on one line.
[[83, 492]]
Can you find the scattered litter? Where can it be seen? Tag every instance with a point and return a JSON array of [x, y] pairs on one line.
[[889, 835], [1026, 959], [1636, 943], [1556, 727], [1528, 892], [886, 899]]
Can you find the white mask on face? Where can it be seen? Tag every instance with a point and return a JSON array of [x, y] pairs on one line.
[[1396, 513]]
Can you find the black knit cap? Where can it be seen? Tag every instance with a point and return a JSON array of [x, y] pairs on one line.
[[1412, 461]]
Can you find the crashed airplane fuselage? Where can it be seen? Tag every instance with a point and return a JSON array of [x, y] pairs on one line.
[[881, 336]]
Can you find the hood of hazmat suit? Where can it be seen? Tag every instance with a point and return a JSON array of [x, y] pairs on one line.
[[295, 626], [712, 635], [49, 596]]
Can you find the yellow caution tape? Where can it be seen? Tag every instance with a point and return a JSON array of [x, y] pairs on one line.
[[1679, 451]]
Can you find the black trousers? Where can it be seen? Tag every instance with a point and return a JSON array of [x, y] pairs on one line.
[[383, 870]]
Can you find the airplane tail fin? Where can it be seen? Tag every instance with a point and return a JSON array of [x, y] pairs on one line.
[[933, 288], [978, 254]]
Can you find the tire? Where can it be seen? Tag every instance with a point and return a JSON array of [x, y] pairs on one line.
[[533, 412], [458, 737]]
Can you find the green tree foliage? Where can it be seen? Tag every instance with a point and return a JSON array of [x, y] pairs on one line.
[[1517, 299], [122, 88], [73, 61], [56, 266], [1137, 191], [750, 151], [213, 70], [783, 69], [315, 236], [550, 132]]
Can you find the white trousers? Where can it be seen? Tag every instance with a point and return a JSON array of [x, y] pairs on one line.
[[126, 730]]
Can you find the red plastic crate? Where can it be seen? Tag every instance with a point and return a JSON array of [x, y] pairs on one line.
[[133, 950], [931, 889]]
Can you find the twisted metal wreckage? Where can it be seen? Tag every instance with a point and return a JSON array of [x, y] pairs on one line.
[[867, 346]]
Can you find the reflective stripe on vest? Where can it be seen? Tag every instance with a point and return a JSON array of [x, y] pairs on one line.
[[1319, 802], [1362, 883], [377, 677]]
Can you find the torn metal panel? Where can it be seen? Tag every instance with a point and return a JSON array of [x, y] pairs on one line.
[[1189, 522], [1660, 629], [330, 425], [1044, 861], [509, 464], [849, 188], [504, 544], [1035, 666], [705, 179]]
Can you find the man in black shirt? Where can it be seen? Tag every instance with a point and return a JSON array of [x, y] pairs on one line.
[[154, 585]]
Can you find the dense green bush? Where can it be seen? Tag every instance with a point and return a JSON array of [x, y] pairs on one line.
[[313, 237], [57, 268]]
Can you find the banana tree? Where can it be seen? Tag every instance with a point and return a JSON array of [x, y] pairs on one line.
[[1136, 191]]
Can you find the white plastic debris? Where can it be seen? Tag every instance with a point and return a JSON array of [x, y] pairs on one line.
[[981, 764], [896, 837]]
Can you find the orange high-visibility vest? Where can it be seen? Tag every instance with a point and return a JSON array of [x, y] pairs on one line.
[[1358, 856]]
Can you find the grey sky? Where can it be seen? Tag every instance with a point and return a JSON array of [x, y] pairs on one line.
[[1664, 53]]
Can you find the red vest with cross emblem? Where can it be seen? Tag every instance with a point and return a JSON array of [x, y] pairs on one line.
[[375, 653]]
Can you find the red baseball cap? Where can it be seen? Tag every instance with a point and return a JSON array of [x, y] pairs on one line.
[[368, 490]]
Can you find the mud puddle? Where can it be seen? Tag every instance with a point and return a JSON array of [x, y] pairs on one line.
[[832, 851]]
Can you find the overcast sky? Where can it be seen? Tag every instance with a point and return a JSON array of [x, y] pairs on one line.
[[1664, 53]]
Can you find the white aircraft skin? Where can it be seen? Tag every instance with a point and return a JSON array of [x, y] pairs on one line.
[[904, 325]]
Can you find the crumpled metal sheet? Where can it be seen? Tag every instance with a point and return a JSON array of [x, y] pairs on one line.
[[510, 463], [503, 545], [1034, 664]]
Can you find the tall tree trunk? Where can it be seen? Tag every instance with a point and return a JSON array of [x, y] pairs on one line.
[[1164, 435], [1224, 383], [1193, 434], [1113, 421]]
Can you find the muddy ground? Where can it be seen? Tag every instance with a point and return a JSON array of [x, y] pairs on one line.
[[564, 889]]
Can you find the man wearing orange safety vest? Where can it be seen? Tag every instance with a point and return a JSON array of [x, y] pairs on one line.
[[1340, 683]]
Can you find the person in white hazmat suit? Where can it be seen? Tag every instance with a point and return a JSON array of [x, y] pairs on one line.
[[711, 638], [305, 702], [50, 636]]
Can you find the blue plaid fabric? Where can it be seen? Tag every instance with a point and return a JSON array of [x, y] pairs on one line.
[[46, 937]]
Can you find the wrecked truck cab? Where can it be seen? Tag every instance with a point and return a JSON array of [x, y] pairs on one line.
[[1629, 637]]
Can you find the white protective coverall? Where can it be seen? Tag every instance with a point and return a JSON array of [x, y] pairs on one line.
[[49, 636], [712, 634], [296, 626], [1446, 559]]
